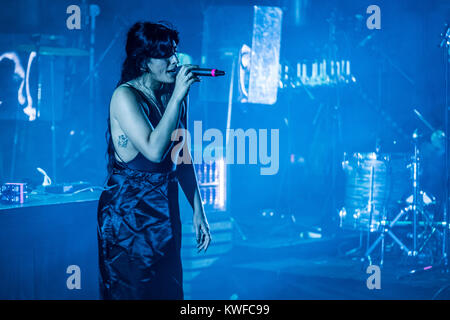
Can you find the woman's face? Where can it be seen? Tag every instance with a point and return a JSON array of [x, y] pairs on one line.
[[163, 70]]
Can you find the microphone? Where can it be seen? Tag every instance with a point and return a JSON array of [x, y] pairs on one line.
[[204, 72]]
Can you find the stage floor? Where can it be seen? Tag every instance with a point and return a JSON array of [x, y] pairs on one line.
[[313, 269]]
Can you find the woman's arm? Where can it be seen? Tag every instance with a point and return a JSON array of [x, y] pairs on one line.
[[127, 111], [189, 185]]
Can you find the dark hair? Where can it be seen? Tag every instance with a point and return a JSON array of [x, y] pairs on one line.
[[144, 40]]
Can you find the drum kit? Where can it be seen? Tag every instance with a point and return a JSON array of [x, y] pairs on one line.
[[384, 196]]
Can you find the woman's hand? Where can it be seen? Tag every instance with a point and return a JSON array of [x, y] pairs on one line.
[[185, 78], [201, 228]]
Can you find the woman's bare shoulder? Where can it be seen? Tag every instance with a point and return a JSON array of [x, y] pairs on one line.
[[124, 99], [122, 92]]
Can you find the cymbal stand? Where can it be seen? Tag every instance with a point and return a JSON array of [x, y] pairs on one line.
[[415, 168], [443, 264], [370, 207], [414, 207], [445, 44]]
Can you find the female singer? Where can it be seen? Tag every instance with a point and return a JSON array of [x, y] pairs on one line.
[[139, 227]]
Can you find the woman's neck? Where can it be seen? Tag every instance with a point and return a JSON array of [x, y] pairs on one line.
[[151, 89], [148, 85]]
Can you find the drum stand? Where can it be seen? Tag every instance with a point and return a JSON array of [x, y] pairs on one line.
[[370, 206], [385, 230], [416, 207]]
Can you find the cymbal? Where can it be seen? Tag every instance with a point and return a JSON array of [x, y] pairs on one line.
[[54, 51], [438, 139]]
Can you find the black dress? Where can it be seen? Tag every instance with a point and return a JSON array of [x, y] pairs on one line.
[[139, 227]]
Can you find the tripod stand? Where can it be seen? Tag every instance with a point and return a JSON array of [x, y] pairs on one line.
[[415, 206], [445, 43], [443, 264]]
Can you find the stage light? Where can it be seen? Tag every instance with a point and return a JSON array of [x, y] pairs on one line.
[[184, 58], [212, 183], [265, 55], [222, 185]]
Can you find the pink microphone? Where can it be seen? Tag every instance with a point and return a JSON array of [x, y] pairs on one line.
[[205, 72]]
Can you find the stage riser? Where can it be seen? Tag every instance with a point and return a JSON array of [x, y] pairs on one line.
[[39, 243]]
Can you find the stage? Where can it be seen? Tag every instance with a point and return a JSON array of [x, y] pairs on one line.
[[313, 270], [302, 145]]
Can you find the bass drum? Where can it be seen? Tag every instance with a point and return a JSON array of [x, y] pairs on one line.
[[366, 191]]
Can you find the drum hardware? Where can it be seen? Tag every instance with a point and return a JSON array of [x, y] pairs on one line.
[[436, 224], [415, 205], [437, 137], [415, 214], [370, 206], [440, 140], [375, 184]]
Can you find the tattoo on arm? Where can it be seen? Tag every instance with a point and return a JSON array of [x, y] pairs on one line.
[[123, 141]]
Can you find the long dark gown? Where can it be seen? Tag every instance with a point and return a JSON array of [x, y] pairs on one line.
[[139, 228]]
